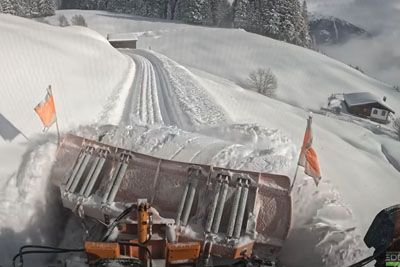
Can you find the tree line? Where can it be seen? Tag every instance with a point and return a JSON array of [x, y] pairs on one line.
[[284, 20], [28, 8]]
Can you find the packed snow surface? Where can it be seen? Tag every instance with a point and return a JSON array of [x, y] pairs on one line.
[[182, 97]]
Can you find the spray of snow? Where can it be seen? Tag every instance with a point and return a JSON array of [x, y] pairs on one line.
[[325, 224], [241, 146], [30, 209]]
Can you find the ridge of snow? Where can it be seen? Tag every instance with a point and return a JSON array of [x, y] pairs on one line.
[[80, 65]]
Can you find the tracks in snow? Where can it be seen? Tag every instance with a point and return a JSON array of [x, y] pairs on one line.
[[166, 93], [142, 103]]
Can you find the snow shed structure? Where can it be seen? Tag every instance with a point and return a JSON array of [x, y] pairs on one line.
[[123, 40], [367, 105]]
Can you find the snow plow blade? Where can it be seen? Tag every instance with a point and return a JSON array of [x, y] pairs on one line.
[[203, 200]]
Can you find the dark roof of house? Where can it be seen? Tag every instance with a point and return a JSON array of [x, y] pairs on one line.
[[363, 98]]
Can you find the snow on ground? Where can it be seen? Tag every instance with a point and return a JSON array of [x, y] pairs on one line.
[[247, 130], [85, 72], [77, 62], [167, 94], [305, 77], [237, 146]]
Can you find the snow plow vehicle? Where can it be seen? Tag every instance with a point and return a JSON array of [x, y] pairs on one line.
[[173, 211], [150, 211]]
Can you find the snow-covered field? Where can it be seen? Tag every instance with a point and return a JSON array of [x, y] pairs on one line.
[[186, 102]]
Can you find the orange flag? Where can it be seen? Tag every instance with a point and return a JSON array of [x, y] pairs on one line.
[[46, 110], [308, 156]]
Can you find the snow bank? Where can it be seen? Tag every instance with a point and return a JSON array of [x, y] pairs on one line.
[[86, 73], [391, 150], [324, 231], [81, 66], [237, 146], [30, 209]]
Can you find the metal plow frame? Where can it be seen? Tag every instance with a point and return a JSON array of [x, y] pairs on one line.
[[232, 206]]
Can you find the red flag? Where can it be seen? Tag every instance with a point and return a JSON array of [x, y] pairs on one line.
[[308, 156], [46, 110]]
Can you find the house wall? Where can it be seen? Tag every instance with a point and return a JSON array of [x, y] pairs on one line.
[[124, 44], [362, 111], [366, 111], [379, 114]]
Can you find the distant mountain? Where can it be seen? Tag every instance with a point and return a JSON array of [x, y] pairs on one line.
[[332, 30]]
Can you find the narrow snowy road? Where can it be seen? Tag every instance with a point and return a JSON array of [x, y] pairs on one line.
[[142, 103], [165, 93]]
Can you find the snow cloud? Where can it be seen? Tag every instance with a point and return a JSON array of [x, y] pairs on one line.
[[378, 56]]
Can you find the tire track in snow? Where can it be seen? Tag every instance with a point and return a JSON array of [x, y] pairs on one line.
[[142, 103], [165, 93]]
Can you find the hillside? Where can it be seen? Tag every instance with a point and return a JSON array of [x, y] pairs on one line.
[[207, 70], [77, 62], [84, 71], [233, 53]]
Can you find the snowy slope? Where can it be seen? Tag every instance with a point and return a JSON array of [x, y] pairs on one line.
[[81, 66], [85, 73], [305, 78], [328, 222]]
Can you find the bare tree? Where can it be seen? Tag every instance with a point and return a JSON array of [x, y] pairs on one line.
[[63, 21], [263, 81], [42, 20], [396, 126], [78, 20]]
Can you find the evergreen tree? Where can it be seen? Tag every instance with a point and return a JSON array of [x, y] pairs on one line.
[[19, 8], [304, 12], [172, 7], [305, 33], [33, 9], [129, 6], [119, 6], [193, 12], [240, 15], [255, 20], [220, 13], [156, 8], [101, 4], [6, 7], [47, 7]]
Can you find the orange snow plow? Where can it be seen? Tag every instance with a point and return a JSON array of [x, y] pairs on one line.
[[192, 209]]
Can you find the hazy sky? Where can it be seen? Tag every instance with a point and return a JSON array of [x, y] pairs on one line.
[[380, 55]]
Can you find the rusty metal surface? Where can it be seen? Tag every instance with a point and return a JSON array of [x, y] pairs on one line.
[[162, 182]]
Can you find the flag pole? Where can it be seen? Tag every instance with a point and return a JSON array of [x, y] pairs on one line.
[[295, 175], [55, 111], [58, 132], [27, 139], [298, 161]]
